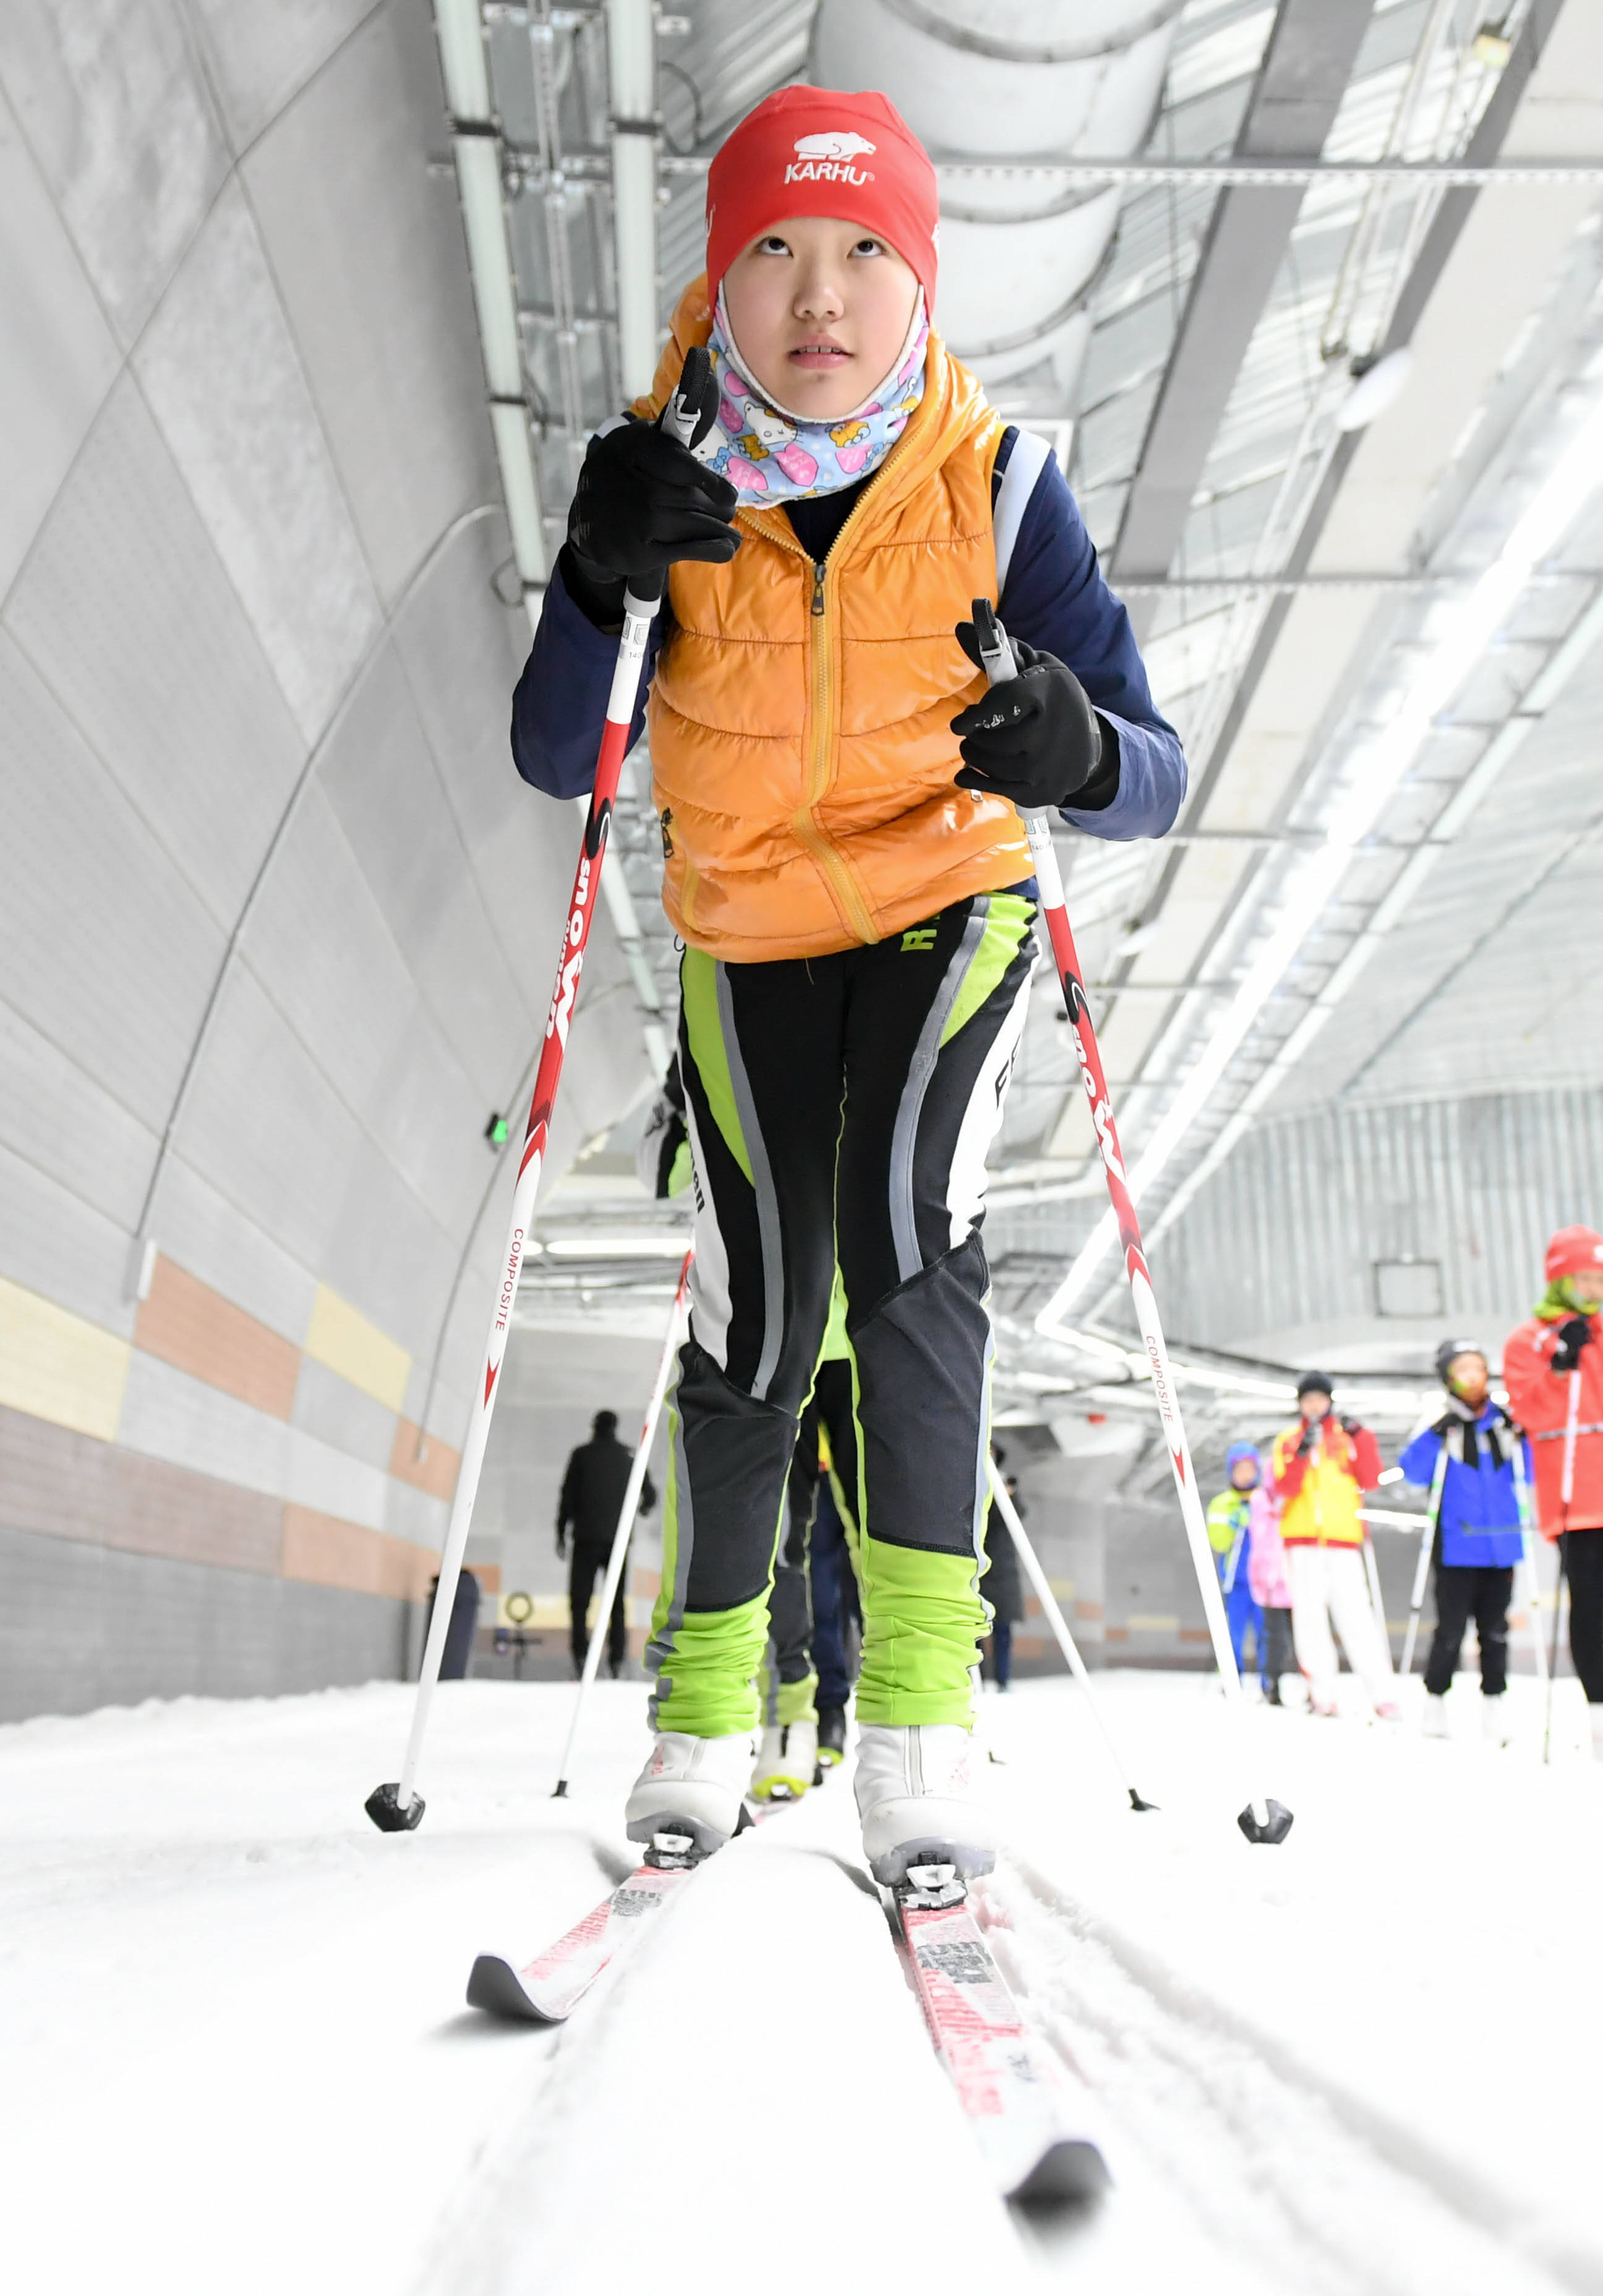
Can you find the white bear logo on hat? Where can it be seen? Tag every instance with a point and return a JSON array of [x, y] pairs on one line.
[[833, 143], [828, 158]]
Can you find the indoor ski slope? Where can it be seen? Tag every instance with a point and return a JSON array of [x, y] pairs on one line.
[[236, 2058]]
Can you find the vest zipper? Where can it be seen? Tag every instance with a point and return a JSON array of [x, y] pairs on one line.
[[821, 755], [803, 823]]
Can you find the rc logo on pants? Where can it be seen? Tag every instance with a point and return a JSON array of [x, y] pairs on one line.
[[840, 1107]]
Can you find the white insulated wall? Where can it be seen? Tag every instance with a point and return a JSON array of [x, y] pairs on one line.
[[249, 523]]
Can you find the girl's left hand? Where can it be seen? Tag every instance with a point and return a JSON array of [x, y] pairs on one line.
[[1034, 739]]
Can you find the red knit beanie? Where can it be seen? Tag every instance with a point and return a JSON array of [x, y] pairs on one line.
[[1574, 1252], [815, 152]]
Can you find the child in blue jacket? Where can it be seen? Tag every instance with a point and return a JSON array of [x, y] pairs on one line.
[[1481, 1458]]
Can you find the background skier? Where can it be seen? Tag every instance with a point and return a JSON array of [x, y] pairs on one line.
[[587, 1510], [1478, 1538], [857, 929], [1553, 1371], [1319, 1470], [1230, 1534]]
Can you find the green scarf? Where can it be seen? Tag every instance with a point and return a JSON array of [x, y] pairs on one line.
[[1558, 1301]]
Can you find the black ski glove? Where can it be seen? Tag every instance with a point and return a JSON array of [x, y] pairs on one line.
[[643, 502], [1308, 1439], [1573, 1334], [1035, 740]]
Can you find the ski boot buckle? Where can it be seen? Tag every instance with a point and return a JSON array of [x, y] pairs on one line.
[[928, 1887]]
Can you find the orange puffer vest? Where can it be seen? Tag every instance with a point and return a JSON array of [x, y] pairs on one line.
[[800, 716]]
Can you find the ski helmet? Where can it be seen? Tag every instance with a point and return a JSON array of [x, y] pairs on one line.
[[1315, 1383], [1237, 1452], [1574, 1252], [1450, 1351]]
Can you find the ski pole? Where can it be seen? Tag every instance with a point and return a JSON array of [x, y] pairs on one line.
[[1372, 1571], [1416, 1601], [689, 413], [1003, 1500], [1522, 1495], [626, 1520], [1567, 1491], [1262, 1820]]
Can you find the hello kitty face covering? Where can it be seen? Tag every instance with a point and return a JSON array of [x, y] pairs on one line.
[[769, 456]]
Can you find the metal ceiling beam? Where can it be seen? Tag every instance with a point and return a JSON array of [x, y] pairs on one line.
[[1306, 66]]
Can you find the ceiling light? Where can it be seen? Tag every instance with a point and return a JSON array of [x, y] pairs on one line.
[[1376, 389], [1463, 632]]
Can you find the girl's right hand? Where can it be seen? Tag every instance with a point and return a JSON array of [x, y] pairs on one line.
[[643, 500]]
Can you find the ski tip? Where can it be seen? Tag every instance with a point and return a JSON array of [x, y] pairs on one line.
[[1071, 2170], [383, 1806], [495, 1987], [1274, 1825]]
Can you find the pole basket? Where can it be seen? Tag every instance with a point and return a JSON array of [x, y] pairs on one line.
[[383, 1806], [1274, 1825]]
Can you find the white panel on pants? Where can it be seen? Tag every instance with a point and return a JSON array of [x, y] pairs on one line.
[[1329, 1583]]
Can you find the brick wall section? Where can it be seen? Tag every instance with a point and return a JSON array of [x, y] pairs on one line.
[[59, 1481], [194, 1328]]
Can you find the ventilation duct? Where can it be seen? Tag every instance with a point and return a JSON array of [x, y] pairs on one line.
[[1006, 82]]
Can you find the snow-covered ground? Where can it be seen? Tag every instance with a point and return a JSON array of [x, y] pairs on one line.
[[234, 2054]]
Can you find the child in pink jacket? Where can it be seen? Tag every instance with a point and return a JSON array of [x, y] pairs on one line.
[[1266, 1576]]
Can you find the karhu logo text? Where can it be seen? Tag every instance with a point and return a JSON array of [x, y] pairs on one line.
[[829, 158]]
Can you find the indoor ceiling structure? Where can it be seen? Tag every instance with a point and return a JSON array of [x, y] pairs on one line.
[[1307, 300]]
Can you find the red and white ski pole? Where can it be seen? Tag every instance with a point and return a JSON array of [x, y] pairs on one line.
[[1566, 1492], [626, 1519], [396, 1808], [1262, 1820]]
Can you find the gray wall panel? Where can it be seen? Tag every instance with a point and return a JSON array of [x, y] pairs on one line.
[[331, 1408], [103, 946], [87, 1626], [114, 104], [58, 357], [379, 298], [129, 616], [265, 1126], [385, 1254], [62, 1246], [221, 370], [226, 1246], [380, 778], [56, 1116], [259, 56]]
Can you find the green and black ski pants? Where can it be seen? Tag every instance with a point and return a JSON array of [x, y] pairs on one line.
[[841, 1110]]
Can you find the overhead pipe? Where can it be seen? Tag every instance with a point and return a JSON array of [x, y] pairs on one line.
[[982, 83], [475, 148]]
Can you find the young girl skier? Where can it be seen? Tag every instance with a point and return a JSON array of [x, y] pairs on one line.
[[855, 912]]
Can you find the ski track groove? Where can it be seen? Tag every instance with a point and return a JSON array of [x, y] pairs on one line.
[[1282, 2169]]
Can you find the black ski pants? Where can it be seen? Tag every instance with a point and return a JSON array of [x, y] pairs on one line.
[[585, 1566], [840, 1109], [1466, 1591], [1583, 1568]]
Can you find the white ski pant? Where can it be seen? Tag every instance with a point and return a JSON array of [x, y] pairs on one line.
[[1331, 1584]]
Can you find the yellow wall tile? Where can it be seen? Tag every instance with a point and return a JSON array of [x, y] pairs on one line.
[[58, 1367], [343, 1339]]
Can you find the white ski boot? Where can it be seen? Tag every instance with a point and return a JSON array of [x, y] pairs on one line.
[[1494, 1721], [785, 1762], [691, 1786], [916, 1801], [1436, 1715]]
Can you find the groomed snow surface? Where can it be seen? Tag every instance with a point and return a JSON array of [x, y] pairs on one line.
[[236, 2057]]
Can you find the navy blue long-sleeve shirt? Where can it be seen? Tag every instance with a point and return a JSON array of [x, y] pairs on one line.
[[1054, 598]]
